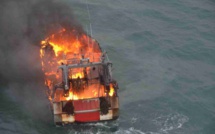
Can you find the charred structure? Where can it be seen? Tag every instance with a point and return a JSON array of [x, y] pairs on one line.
[[78, 75]]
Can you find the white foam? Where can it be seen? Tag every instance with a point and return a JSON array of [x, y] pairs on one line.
[[131, 130], [170, 122]]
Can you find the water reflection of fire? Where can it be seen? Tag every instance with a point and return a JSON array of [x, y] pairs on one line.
[[68, 47]]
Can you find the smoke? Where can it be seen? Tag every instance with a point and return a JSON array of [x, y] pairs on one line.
[[23, 24]]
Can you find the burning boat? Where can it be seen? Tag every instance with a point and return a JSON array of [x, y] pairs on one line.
[[78, 75]]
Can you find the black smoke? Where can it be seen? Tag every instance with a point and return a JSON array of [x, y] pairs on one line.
[[23, 24]]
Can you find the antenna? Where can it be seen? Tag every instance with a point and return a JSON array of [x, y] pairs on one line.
[[88, 41], [88, 10], [91, 31]]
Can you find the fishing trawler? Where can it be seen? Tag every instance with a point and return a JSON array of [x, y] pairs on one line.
[[79, 78]]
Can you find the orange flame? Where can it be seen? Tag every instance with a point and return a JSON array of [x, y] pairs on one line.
[[64, 46], [72, 96], [111, 90]]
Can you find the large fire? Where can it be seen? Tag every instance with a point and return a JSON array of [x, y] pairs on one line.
[[68, 47]]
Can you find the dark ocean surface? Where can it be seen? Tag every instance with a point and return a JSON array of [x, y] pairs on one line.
[[163, 53]]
